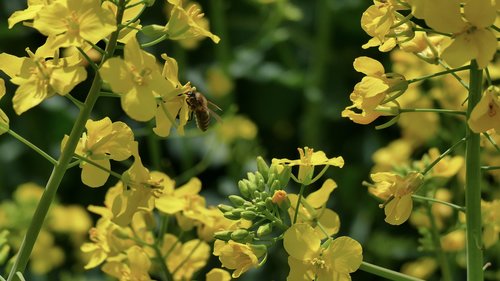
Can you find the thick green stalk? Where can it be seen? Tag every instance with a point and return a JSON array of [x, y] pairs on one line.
[[473, 184], [61, 166], [440, 254]]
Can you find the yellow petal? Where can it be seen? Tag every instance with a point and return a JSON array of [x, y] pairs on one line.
[[481, 13], [486, 43], [368, 66], [444, 16], [301, 241], [318, 198], [398, 210], [460, 51], [345, 255], [93, 176]]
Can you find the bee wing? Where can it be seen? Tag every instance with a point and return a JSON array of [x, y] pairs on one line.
[[214, 105], [215, 115]]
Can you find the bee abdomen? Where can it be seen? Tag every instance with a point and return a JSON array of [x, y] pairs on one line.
[[202, 119]]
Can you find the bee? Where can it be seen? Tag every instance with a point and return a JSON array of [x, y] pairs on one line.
[[198, 105]]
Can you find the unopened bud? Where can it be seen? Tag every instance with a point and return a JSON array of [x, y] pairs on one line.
[[243, 187], [224, 235], [236, 200], [248, 215], [264, 230], [225, 208], [239, 234], [262, 167]]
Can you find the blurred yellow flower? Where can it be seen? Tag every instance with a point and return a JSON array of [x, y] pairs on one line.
[[453, 241], [491, 222], [131, 266], [311, 260], [396, 191], [74, 22], [308, 160], [4, 120], [184, 259], [486, 113], [34, 6], [422, 268], [473, 39], [238, 256], [236, 127], [218, 274]]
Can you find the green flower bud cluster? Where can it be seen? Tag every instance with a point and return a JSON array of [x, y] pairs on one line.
[[255, 203]]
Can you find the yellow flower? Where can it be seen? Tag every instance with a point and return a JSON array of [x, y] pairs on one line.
[[172, 200], [486, 113], [395, 153], [185, 259], [473, 39], [308, 160], [491, 222], [73, 22], [447, 167], [378, 21], [39, 78], [396, 191], [133, 266], [237, 127], [129, 30], [4, 120], [311, 260], [238, 256], [137, 79], [103, 141], [453, 241], [422, 268], [218, 274], [313, 210], [34, 6], [369, 94], [187, 24]]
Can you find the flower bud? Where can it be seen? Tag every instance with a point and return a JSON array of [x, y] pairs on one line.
[[248, 215], [224, 208], [262, 167], [243, 187], [284, 176], [239, 234], [264, 230], [236, 200], [231, 216], [224, 235]]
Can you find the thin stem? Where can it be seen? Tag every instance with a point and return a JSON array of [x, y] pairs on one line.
[[109, 94], [435, 110], [448, 151], [61, 167], [492, 141], [154, 149], [428, 30], [448, 71], [459, 79], [301, 192], [433, 200], [436, 241], [156, 41], [490, 168], [164, 269], [76, 102], [187, 257], [32, 146], [88, 59], [386, 273], [473, 184], [85, 159]]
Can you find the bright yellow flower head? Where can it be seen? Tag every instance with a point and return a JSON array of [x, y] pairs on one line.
[[185, 258], [311, 260], [131, 266], [4, 120], [39, 78], [73, 22], [308, 160], [447, 167], [185, 24], [491, 222], [453, 241], [473, 39], [103, 141], [237, 256], [137, 79], [34, 6], [369, 94], [486, 113], [397, 191], [173, 200]]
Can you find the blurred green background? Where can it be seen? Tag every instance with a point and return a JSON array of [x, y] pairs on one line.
[[284, 65]]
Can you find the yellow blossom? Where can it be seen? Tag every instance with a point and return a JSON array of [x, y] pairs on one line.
[[308, 160], [137, 79], [34, 6], [486, 113], [369, 94], [491, 222], [447, 167], [185, 259], [473, 39], [314, 212], [397, 191], [422, 268], [238, 256], [129, 30], [132, 266], [311, 260], [187, 24], [453, 241], [103, 141], [4, 120], [73, 22], [39, 78], [237, 127], [172, 200]]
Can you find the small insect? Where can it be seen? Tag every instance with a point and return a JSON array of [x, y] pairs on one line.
[[198, 105]]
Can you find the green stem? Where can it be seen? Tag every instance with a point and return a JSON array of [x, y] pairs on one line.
[[219, 25], [61, 167], [432, 31], [459, 79], [432, 200], [490, 168], [32, 146], [436, 241], [386, 273], [448, 71], [156, 41], [97, 165], [492, 141], [187, 257], [473, 184], [154, 149], [448, 151], [164, 269], [301, 192], [444, 111]]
